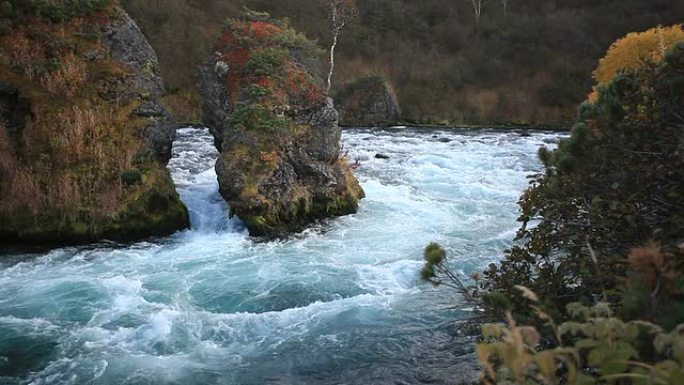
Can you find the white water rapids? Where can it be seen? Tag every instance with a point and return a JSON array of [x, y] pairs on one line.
[[341, 303]]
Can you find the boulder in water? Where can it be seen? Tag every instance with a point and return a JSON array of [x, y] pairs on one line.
[[280, 167], [368, 101]]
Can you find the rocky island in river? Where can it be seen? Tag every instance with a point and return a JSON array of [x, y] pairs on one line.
[[280, 167]]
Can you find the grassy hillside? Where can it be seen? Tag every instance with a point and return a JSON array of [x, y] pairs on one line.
[[532, 63]]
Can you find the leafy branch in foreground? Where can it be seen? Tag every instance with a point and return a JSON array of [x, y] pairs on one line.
[[436, 270], [593, 347]]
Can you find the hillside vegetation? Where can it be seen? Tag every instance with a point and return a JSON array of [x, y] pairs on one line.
[[593, 291], [532, 63]]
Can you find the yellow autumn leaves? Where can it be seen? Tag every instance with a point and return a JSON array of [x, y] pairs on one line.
[[633, 51]]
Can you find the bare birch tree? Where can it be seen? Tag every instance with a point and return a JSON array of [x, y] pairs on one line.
[[479, 4], [477, 7], [341, 11]]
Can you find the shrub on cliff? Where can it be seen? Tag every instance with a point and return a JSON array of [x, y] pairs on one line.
[[280, 167]]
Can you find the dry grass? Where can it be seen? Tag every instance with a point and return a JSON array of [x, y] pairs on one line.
[[66, 162], [68, 78], [20, 53], [19, 188]]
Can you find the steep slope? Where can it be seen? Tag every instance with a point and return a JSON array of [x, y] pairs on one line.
[[530, 62], [83, 138]]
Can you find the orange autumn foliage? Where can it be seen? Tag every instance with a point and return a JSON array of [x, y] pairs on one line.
[[262, 69], [633, 50]]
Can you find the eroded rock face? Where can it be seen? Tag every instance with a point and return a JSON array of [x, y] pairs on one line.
[[83, 135], [216, 104], [281, 171], [304, 181], [126, 44], [369, 101]]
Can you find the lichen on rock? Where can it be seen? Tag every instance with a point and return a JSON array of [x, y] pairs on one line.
[[368, 101], [280, 167], [84, 140]]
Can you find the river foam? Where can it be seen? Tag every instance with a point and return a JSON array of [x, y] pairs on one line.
[[340, 303]]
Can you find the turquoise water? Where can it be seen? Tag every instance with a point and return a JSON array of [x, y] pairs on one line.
[[341, 303]]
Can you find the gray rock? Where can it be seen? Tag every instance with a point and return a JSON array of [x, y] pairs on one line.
[[150, 109], [127, 44], [278, 182], [325, 138], [369, 101], [216, 104], [93, 54]]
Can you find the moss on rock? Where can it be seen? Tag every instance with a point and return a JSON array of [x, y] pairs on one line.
[[368, 101], [83, 140], [280, 167]]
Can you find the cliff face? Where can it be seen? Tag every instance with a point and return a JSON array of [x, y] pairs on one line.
[[368, 101], [280, 167], [84, 140]]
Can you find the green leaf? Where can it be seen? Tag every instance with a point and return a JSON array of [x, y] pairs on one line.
[[546, 362], [569, 327], [586, 343], [678, 348]]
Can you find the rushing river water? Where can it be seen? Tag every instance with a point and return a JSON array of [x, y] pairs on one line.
[[341, 303]]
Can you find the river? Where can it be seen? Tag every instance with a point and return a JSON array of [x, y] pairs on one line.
[[341, 303]]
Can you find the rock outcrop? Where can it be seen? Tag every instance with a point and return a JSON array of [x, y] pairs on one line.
[[84, 140], [127, 45], [368, 101], [280, 167]]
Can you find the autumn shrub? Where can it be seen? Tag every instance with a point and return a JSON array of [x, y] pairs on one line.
[[67, 78], [634, 51], [615, 184], [593, 290], [268, 78]]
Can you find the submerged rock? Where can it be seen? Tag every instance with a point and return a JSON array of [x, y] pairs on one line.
[[280, 167], [368, 101], [381, 156], [83, 136]]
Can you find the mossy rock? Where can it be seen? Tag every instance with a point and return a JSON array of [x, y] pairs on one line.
[[368, 101], [81, 161]]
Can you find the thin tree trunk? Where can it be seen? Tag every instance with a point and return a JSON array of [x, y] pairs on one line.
[[477, 7], [336, 33]]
